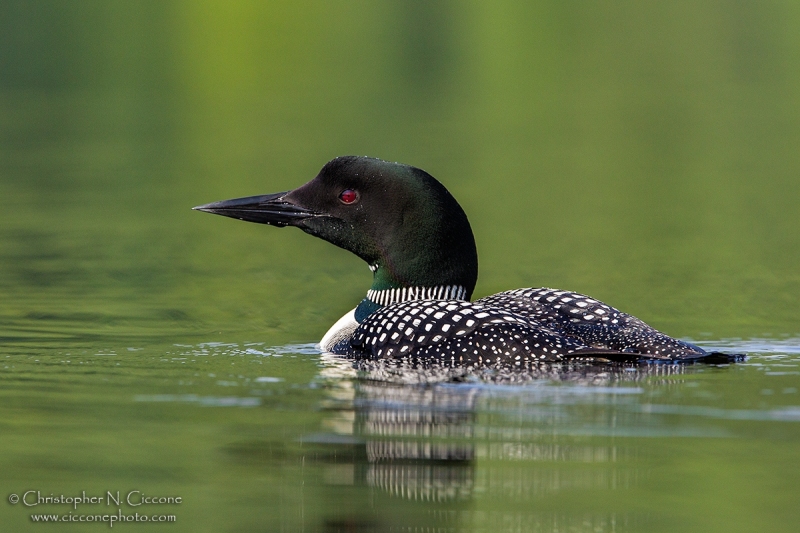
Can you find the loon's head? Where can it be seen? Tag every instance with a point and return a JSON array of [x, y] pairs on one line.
[[398, 218]]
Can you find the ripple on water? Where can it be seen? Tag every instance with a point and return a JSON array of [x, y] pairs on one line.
[[205, 401]]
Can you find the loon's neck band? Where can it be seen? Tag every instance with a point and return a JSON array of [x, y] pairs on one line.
[[378, 298], [441, 292]]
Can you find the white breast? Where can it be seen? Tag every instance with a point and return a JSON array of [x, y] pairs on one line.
[[342, 329]]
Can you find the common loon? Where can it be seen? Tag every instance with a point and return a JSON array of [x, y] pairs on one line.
[[418, 243]]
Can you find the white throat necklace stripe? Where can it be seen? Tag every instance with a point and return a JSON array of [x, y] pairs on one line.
[[441, 292]]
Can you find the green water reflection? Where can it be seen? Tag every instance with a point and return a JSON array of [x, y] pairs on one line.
[[643, 154], [256, 438]]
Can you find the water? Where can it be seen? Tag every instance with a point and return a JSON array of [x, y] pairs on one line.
[[254, 437], [643, 155]]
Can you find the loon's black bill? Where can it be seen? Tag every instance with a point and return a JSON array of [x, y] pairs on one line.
[[269, 209]]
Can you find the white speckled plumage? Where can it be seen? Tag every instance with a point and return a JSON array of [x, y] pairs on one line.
[[519, 326]]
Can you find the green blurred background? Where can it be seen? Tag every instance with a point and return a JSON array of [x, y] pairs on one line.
[[645, 153]]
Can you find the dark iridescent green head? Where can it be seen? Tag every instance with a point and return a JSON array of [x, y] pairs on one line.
[[397, 218]]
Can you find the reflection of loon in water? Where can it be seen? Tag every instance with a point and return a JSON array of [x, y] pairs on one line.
[[424, 441], [419, 441]]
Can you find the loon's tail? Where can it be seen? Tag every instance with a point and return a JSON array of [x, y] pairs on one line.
[[611, 356], [719, 358]]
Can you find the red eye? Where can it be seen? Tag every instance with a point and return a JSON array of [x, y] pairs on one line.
[[348, 196]]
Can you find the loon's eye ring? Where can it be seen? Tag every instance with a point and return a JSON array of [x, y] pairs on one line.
[[348, 196]]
